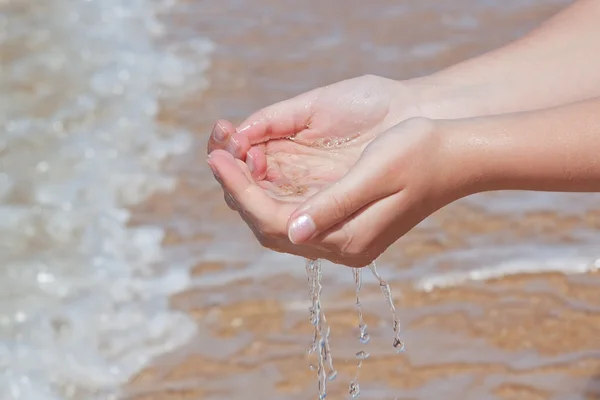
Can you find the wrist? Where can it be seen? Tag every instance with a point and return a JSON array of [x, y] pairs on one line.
[[465, 163], [438, 162], [438, 98]]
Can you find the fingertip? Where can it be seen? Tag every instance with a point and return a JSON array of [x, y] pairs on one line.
[[301, 210], [301, 229], [219, 160], [220, 134], [257, 163], [218, 154], [213, 168], [238, 146], [222, 130]]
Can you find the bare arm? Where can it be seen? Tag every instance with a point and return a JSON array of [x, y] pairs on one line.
[[555, 149], [558, 63]]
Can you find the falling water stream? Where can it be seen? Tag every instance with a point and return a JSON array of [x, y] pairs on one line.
[[320, 343]]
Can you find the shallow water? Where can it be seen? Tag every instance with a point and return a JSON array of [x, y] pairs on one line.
[[84, 295], [107, 206]]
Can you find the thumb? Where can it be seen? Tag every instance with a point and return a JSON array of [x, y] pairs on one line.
[[363, 184]]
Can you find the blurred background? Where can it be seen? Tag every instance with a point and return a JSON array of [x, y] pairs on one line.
[[124, 275]]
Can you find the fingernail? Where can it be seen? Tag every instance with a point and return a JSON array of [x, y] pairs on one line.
[[219, 134], [250, 163], [232, 146], [301, 229]]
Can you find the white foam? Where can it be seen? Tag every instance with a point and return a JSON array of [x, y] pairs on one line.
[[566, 265], [82, 304]]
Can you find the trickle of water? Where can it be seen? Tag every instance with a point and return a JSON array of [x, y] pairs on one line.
[[322, 329], [328, 358], [364, 334], [397, 343]]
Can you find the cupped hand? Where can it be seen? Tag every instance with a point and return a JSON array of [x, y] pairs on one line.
[[342, 200], [361, 107]]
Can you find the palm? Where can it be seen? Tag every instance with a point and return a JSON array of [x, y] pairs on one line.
[[295, 171], [343, 119]]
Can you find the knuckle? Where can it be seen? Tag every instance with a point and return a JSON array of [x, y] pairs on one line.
[[342, 205]]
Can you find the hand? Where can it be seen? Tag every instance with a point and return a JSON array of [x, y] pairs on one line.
[[345, 203], [363, 106]]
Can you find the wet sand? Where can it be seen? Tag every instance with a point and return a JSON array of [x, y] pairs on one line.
[[547, 314], [518, 337], [543, 322]]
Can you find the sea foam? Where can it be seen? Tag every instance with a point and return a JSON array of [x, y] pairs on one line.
[[83, 306]]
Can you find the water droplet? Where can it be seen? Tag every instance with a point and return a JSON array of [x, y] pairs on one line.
[[362, 355], [398, 345], [354, 390], [332, 375], [364, 337]]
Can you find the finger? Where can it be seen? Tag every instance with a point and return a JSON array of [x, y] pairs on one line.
[[238, 146], [220, 135], [367, 181], [229, 201], [369, 232], [264, 212], [256, 160], [279, 120]]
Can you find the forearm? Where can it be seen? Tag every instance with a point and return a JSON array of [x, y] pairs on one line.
[[558, 63], [556, 149]]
